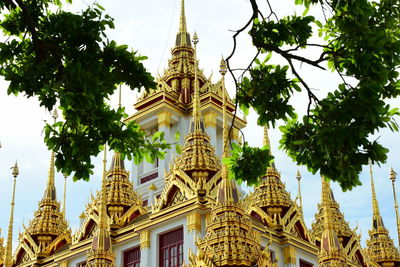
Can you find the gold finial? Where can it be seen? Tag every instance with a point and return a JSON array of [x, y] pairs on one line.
[[266, 141], [8, 253], [228, 192], [50, 191], [396, 206], [196, 97], [223, 68], [102, 212], [225, 126], [375, 207], [298, 177], [65, 194], [182, 21]]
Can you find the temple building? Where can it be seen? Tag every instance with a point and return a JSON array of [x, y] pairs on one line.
[[184, 210]]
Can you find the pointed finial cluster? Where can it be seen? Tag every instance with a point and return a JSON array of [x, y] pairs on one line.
[[8, 261]]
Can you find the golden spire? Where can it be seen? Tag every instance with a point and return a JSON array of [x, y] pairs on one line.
[[380, 247], [331, 253], [102, 211], [48, 228], [298, 177], [65, 194], [182, 20], [196, 123], [8, 262], [100, 254], [396, 206], [375, 208], [223, 69], [266, 141], [227, 192], [182, 37], [50, 191]]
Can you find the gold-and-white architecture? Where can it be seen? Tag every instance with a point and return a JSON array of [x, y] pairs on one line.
[[184, 210]]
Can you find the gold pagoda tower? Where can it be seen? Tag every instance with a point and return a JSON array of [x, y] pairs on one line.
[[380, 248]]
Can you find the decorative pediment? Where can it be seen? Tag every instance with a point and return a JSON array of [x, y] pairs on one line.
[[261, 216], [86, 230], [174, 192], [293, 224]]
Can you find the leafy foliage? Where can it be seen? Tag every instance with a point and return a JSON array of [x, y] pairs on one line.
[[241, 169], [59, 56], [360, 41]]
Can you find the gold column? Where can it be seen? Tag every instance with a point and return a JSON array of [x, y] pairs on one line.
[[145, 239], [194, 221], [8, 262], [289, 255], [164, 119], [396, 206], [64, 263]]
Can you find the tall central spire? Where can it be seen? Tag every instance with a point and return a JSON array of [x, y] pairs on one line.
[[50, 191], [182, 37], [182, 21]]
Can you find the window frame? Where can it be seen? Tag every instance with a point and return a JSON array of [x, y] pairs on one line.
[[174, 248], [135, 261]]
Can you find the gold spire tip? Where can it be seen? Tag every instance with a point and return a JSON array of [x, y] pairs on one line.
[[298, 175], [392, 175], [182, 21], [223, 68], [195, 38], [15, 170]]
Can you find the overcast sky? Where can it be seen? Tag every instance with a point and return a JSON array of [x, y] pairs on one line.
[[150, 27]]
